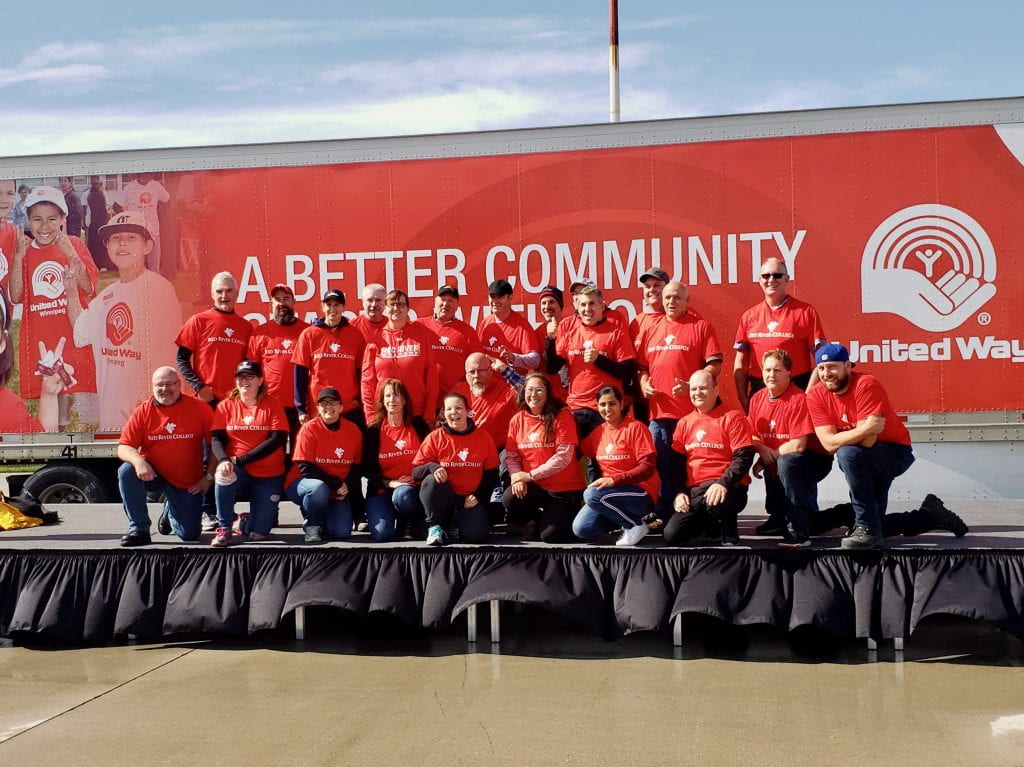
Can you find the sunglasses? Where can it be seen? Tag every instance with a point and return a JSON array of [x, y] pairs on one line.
[[770, 275]]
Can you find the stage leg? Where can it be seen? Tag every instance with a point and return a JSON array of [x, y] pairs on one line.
[[495, 621], [300, 623], [471, 624], [872, 644], [677, 631]]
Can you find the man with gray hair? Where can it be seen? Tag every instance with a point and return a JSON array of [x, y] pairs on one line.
[[371, 319]]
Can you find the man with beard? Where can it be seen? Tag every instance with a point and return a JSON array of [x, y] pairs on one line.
[[853, 420], [272, 345]]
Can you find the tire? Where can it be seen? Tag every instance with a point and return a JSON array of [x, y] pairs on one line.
[[66, 484]]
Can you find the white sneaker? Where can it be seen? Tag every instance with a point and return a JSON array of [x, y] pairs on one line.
[[632, 536]]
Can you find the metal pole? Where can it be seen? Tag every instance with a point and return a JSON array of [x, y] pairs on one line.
[[613, 61]]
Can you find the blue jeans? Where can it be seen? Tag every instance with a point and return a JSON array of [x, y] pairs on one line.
[[795, 489], [264, 496], [321, 508], [610, 508], [383, 509], [870, 472], [662, 430], [184, 509]]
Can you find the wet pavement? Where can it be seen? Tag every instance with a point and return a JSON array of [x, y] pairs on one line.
[[364, 691]]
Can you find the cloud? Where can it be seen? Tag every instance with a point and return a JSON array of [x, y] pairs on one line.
[[67, 76]]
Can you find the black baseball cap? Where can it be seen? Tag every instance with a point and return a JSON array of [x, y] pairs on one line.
[[655, 273], [448, 290], [333, 295], [328, 392], [500, 288], [249, 367]]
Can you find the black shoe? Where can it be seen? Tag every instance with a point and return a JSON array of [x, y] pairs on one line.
[[163, 525], [943, 518], [791, 541], [730, 540], [771, 527], [861, 538], [136, 539]]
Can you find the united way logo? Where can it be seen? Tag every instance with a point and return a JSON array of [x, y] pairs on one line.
[[120, 325], [48, 280], [933, 265]]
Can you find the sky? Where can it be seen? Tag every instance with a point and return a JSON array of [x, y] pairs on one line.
[[75, 78]]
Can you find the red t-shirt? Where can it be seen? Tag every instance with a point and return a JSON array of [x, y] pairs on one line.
[[515, 334], [44, 316], [454, 341], [617, 450], [708, 441], [171, 438], [586, 378], [674, 349], [272, 345], [776, 421], [398, 447], [465, 456], [558, 386], [641, 322], [795, 326], [406, 355], [368, 329], [492, 410], [526, 437], [248, 427], [334, 451], [333, 356], [218, 341], [14, 416], [864, 397]]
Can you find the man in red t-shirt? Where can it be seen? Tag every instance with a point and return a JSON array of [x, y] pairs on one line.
[[778, 322], [492, 400], [505, 333], [456, 339], [272, 344], [372, 318], [668, 352], [715, 442], [550, 306], [853, 419], [213, 342], [162, 446]]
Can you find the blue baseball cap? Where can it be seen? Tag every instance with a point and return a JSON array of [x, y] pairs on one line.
[[832, 352]]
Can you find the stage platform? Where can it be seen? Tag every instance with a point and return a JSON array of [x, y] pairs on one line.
[[73, 580]]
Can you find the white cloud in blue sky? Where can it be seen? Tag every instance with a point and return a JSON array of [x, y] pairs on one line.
[[210, 73]]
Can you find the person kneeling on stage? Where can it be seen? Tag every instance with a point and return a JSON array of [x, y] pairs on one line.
[[392, 497], [250, 429], [457, 468], [322, 482], [715, 442], [546, 486], [162, 447], [623, 497]]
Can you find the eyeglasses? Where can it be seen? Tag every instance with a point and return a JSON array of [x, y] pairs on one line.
[[776, 275], [396, 304]]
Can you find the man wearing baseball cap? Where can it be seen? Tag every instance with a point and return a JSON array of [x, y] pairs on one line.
[[505, 333], [455, 341], [853, 420], [652, 282], [272, 344], [131, 323]]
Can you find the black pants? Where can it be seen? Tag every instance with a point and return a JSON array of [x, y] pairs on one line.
[[712, 521], [552, 512], [443, 507]]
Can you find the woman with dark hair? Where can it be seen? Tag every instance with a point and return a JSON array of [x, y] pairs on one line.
[[392, 496], [249, 433], [546, 486], [457, 468], [96, 202], [625, 493], [403, 350]]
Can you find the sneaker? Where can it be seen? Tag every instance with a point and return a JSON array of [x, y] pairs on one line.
[[209, 523], [790, 541], [257, 537], [653, 521], [730, 540], [242, 524], [861, 538], [633, 535], [362, 527], [313, 535], [163, 525], [771, 527], [943, 518], [135, 539], [453, 534], [436, 536], [223, 537]]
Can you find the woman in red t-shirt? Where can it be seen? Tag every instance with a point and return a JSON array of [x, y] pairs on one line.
[[624, 496], [457, 468], [249, 433], [546, 486], [391, 444]]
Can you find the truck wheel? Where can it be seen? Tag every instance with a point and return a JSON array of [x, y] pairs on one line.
[[66, 484]]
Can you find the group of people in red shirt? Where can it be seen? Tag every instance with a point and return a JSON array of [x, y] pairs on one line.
[[586, 427]]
